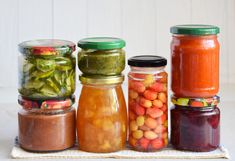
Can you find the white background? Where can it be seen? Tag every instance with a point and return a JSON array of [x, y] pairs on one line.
[[144, 24]]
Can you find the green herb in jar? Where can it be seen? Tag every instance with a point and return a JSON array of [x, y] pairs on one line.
[[102, 62], [101, 56]]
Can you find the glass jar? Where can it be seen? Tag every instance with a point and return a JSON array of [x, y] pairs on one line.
[[101, 56], [46, 106], [195, 128], [43, 132], [195, 60], [147, 103], [46, 69], [101, 114]]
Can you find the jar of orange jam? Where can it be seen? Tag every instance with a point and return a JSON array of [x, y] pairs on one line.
[[102, 114], [195, 60]]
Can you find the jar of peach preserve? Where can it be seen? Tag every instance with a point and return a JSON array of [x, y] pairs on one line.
[[195, 60], [102, 114], [147, 94]]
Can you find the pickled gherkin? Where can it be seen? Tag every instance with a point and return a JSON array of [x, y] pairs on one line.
[[43, 77]]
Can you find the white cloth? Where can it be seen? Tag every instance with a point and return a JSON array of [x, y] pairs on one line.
[[167, 153]]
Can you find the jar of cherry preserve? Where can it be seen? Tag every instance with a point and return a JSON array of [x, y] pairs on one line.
[[195, 124], [147, 94], [101, 114], [195, 60]]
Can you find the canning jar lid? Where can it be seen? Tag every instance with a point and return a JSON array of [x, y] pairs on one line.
[[195, 102], [195, 29], [147, 61], [46, 105], [101, 80], [47, 47], [101, 43]]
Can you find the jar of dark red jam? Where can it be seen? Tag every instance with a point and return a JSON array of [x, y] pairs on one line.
[[195, 128]]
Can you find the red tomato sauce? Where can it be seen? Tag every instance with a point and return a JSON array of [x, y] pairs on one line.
[[195, 65]]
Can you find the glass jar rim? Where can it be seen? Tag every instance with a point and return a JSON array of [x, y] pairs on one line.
[[46, 106], [47, 47], [195, 102], [49, 112], [101, 80], [208, 108]]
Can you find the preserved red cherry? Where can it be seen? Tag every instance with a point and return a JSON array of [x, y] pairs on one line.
[[195, 129]]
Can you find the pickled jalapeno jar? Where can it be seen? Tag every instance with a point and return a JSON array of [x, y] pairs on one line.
[[101, 114], [47, 131], [147, 103], [195, 124], [46, 69], [101, 56], [195, 60]]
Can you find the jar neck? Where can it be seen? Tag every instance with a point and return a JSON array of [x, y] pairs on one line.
[[106, 51], [204, 109], [102, 85], [147, 70], [48, 112], [183, 36]]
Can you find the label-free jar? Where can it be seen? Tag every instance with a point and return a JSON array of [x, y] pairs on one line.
[[101, 56], [46, 69], [195, 128], [147, 101], [195, 60], [43, 132], [101, 114]]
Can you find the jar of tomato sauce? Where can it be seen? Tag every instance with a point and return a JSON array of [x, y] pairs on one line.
[[195, 60], [147, 103], [48, 129], [102, 114]]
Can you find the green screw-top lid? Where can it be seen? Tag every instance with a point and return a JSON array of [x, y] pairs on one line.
[[101, 43], [195, 29]]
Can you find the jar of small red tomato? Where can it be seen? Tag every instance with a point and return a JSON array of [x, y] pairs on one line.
[[147, 103], [195, 60]]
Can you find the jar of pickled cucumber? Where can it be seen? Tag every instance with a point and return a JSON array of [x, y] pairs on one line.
[[101, 114], [46, 69], [147, 103], [101, 56]]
